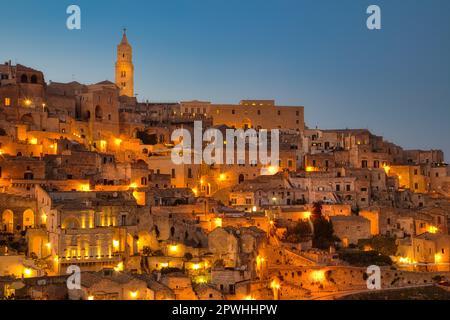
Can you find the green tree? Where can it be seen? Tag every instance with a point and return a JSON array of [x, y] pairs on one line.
[[149, 139], [364, 259], [317, 210], [323, 233], [301, 232], [385, 245]]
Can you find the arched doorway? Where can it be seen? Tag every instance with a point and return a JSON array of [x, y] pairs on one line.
[[24, 78], [98, 113], [28, 175], [27, 118], [8, 221], [33, 78], [28, 219]]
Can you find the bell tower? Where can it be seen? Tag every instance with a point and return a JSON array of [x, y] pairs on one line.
[[124, 67]]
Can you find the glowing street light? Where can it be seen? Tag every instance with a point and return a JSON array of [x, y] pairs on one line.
[[173, 248], [119, 267], [432, 229], [272, 170], [133, 186], [276, 288], [318, 275], [437, 258], [27, 272]]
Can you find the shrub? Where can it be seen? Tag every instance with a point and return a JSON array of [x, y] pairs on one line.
[[365, 258]]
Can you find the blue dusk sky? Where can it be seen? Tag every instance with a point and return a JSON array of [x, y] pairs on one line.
[[316, 53]]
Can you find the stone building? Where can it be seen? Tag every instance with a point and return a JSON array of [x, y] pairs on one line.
[[350, 229], [93, 230], [255, 114], [111, 285]]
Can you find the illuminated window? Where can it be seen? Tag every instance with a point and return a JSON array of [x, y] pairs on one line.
[[7, 102]]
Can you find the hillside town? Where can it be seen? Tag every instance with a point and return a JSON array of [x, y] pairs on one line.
[[87, 179]]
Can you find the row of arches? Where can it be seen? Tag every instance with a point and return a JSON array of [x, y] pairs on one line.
[[33, 79], [8, 223]]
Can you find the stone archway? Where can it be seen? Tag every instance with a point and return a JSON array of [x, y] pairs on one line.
[[28, 219], [8, 221], [27, 118], [71, 223]]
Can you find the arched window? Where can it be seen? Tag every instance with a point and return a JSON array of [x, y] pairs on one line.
[[28, 175], [33, 78], [24, 78], [8, 221], [241, 178], [71, 223]]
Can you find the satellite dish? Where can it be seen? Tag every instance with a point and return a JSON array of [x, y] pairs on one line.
[[42, 282]]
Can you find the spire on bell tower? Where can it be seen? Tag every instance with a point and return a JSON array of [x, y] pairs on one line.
[[124, 37], [124, 67]]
